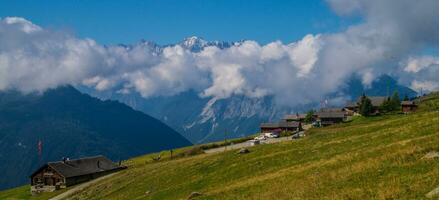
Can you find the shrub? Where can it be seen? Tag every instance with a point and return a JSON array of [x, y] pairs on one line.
[[196, 150], [286, 133]]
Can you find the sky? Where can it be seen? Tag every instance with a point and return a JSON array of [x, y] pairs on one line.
[[299, 52], [169, 21]]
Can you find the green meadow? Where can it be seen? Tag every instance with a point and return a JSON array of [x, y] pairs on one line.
[[381, 157]]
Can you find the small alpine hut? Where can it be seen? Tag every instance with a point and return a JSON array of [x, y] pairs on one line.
[[295, 118], [280, 126], [408, 106], [61, 174], [354, 107], [331, 117]]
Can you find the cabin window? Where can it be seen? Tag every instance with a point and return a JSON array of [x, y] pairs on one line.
[[38, 180]]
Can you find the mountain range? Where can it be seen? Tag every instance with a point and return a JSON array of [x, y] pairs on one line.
[[204, 120], [71, 124]]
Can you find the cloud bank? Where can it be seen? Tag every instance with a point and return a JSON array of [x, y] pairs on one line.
[[390, 39]]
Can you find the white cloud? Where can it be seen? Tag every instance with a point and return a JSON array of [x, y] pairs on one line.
[[23, 24], [421, 72], [416, 64], [345, 7], [304, 54], [32, 58], [425, 86]]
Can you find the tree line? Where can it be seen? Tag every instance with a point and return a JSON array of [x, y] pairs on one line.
[[391, 104]]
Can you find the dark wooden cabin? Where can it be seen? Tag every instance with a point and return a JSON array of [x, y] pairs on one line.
[[60, 174], [354, 107], [408, 106], [351, 107], [280, 126], [295, 118], [327, 118]]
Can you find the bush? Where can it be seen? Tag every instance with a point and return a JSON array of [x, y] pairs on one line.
[[391, 104], [196, 150], [286, 133], [229, 142], [431, 105]]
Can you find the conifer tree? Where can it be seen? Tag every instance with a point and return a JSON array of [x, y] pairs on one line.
[[366, 107], [309, 116], [396, 101]]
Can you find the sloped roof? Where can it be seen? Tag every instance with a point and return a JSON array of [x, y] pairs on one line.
[[333, 114], [281, 124], [375, 100], [83, 166], [331, 109], [408, 103], [351, 104], [295, 116]]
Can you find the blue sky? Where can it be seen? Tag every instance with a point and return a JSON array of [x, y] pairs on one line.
[[386, 40], [169, 21]]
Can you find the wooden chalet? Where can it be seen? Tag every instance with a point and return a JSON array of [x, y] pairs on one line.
[[353, 107], [408, 106], [295, 118], [281, 126], [326, 118], [376, 101], [61, 174]]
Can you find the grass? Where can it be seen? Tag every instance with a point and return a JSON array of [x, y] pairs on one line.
[[23, 192], [368, 158]]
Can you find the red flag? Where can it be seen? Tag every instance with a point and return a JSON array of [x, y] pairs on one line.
[[40, 147]]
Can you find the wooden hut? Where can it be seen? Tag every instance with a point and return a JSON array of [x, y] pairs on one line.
[[60, 174], [295, 118], [280, 126], [408, 106], [327, 118]]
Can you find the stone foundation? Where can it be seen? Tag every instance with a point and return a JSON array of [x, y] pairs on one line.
[[37, 189]]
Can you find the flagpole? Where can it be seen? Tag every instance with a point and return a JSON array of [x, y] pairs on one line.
[[40, 150]]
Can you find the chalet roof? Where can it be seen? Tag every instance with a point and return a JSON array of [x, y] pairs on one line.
[[281, 124], [326, 123], [83, 166], [331, 109], [295, 116], [333, 114], [351, 104], [408, 103], [375, 100]]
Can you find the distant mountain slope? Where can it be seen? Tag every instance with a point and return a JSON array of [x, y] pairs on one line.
[[72, 124], [383, 86], [383, 157], [204, 120]]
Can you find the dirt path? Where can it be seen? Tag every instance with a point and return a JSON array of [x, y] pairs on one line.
[[247, 144], [81, 187]]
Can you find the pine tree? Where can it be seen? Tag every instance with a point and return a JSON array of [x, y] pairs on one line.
[[387, 106], [366, 107], [396, 101], [309, 116]]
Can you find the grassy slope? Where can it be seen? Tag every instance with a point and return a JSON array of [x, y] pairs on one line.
[[380, 157], [23, 192]]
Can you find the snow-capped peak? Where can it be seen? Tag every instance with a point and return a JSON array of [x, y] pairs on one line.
[[194, 41]]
